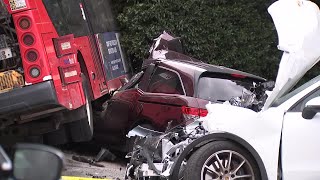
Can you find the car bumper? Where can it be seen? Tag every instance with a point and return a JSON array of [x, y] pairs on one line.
[[28, 99]]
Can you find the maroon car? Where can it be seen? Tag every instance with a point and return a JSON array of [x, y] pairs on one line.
[[169, 92]]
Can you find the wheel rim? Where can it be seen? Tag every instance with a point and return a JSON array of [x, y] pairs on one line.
[[227, 165], [88, 111]]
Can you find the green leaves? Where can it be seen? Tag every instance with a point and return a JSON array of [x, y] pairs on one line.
[[234, 33]]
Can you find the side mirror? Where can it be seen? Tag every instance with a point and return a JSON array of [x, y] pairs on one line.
[[37, 162], [311, 108]]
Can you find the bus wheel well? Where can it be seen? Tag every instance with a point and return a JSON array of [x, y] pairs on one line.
[[85, 72]]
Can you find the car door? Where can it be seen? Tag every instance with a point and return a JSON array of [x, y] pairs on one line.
[[163, 99], [123, 105], [300, 149]]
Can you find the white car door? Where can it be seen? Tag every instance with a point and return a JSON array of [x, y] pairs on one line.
[[300, 149]]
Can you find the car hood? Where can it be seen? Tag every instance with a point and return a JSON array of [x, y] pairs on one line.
[[298, 27]]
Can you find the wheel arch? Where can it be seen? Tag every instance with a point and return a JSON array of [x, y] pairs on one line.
[[223, 136], [84, 70]]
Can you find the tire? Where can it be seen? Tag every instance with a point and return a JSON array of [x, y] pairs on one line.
[[82, 130], [203, 164], [88, 105]]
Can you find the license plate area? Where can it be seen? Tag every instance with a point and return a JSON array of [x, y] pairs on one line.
[[5, 53]]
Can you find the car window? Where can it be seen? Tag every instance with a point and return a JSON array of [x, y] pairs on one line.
[[301, 104], [220, 90], [296, 91], [165, 81]]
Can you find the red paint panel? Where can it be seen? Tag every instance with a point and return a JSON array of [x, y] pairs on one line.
[[99, 88], [64, 45], [31, 39], [70, 74], [163, 108]]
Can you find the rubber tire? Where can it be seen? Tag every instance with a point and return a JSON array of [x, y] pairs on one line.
[[199, 157], [88, 105], [82, 130]]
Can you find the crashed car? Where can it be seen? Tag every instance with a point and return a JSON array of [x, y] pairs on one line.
[[170, 88], [232, 142]]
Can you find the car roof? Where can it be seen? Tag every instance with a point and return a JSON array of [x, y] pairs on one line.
[[205, 67]]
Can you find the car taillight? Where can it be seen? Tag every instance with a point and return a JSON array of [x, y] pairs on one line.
[[32, 55], [194, 111], [34, 72], [28, 39], [238, 76], [203, 112], [24, 23]]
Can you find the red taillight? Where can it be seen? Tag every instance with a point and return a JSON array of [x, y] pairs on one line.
[[238, 76], [28, 39], [194, 111], [32, 55], [190, 110], [203, 112], [24, 23]]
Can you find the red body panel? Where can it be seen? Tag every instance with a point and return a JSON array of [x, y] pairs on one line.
[[163, 108], [60, 66]]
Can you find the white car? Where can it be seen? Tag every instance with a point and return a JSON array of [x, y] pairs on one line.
[[279, 142], [282, 141]]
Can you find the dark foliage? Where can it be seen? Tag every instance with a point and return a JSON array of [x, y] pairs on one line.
[[233, 33]]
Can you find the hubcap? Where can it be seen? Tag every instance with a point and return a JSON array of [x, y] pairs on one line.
[[227, 165]]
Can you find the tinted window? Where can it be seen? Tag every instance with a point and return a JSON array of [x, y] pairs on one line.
[[56, 15], [165, 81], [100, 14], [217, 89], [67, 17], [296, 91], [302, 103]]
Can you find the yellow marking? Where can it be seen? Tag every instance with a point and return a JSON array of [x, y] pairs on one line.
[[80, 178]]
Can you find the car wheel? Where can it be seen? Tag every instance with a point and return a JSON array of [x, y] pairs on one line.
[[221, 160]]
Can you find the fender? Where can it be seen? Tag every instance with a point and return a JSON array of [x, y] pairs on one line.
[[221, 136]]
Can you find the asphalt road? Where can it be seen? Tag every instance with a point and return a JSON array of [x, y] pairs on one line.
[[114, 170]]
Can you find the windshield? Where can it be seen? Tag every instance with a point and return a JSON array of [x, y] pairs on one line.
[[220, 90], [296, 91]]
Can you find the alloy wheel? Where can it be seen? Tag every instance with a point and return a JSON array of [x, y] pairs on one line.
[[227, 165]]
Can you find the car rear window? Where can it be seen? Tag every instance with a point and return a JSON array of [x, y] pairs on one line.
[[165, 81], [220, 90]]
